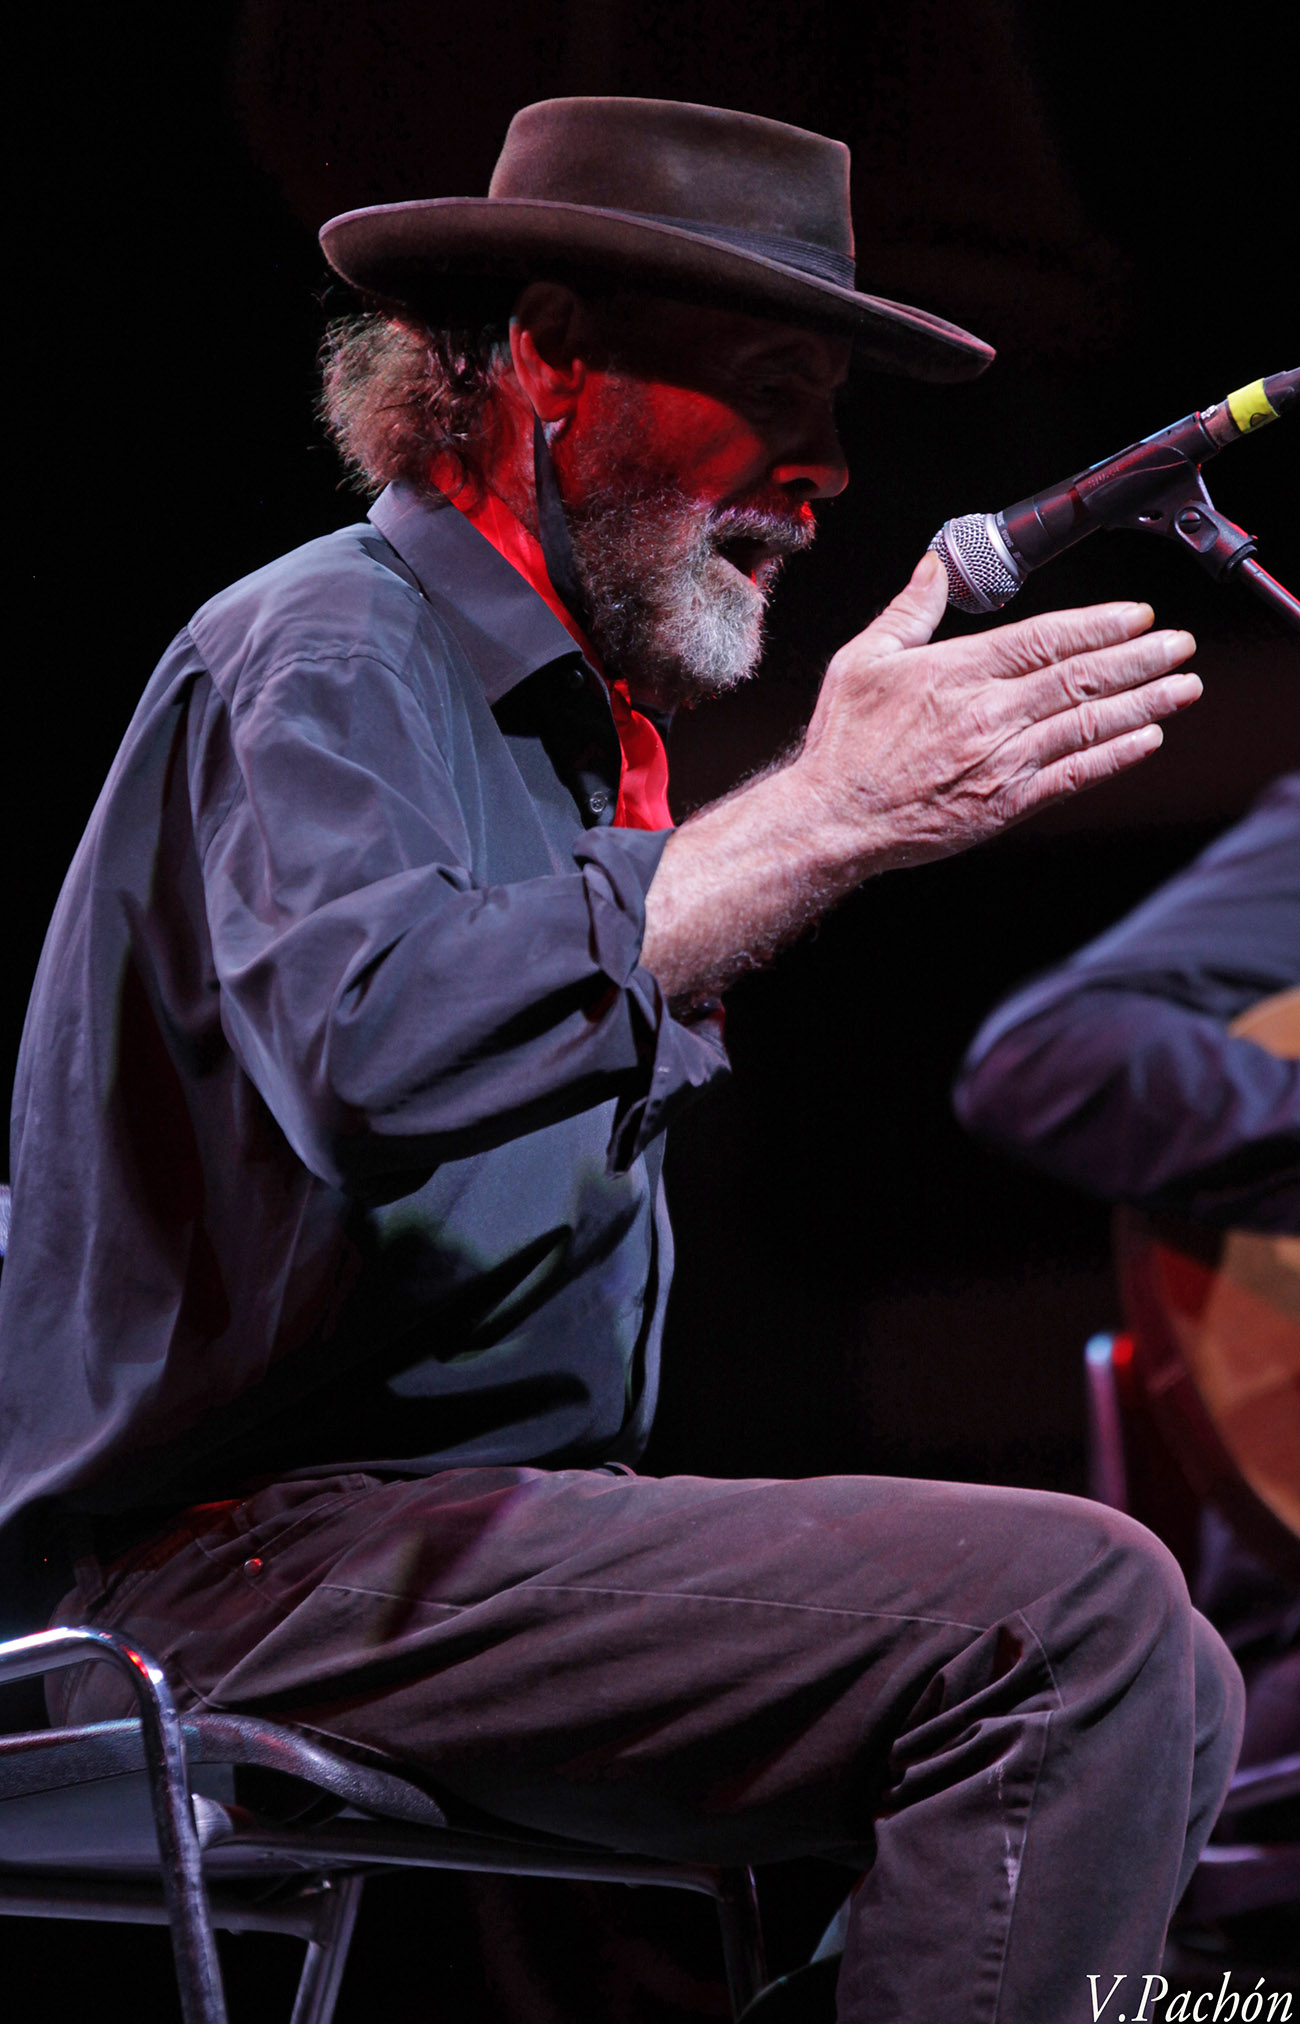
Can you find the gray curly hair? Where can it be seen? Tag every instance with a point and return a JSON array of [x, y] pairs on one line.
[[397, 394]]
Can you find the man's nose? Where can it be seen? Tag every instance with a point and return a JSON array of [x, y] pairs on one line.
[[813, 466]]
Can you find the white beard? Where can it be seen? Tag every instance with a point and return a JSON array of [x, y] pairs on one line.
[[668, 612]]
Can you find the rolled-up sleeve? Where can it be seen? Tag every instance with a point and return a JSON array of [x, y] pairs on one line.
[[393, 1011], [1119, 1073]]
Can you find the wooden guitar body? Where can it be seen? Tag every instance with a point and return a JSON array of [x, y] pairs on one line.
[[1215, 1320]]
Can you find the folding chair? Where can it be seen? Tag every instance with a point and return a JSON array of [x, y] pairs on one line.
[[228, 1821]]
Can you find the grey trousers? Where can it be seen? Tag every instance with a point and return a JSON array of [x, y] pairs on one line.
[[998, 1704]]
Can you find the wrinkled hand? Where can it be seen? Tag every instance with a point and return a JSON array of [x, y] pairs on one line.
[[916, 750]]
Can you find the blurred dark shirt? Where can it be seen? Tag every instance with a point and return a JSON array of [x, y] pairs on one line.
[[1117, 1071], [336, 1126]]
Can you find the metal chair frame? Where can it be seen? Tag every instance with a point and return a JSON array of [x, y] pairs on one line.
[[217, 1864]]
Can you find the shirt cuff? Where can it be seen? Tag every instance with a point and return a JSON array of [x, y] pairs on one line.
[[678, 1058]]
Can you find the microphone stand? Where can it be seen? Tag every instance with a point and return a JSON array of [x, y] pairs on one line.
[[1184, 512], [1154, 486], [1275, 595]]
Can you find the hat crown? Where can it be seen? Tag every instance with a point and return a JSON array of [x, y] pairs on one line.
[[688, 201], [664, 159]]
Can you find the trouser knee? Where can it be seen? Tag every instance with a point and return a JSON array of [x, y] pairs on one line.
[[1119, 1623]]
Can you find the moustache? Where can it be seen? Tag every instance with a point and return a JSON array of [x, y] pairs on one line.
[[786, 529]]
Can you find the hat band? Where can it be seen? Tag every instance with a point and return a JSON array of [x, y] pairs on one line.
[[820, 261]]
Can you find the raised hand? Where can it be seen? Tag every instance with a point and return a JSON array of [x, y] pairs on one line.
[[924, 749], [915, 750]]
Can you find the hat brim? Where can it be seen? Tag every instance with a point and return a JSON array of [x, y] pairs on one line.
[[415, 253]]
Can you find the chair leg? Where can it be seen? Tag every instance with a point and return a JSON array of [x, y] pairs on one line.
[[1107, 1465], [198, 1973], [742, 1937], [327, 1951]]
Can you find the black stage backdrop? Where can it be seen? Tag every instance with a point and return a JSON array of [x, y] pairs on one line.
[[858, 1287]]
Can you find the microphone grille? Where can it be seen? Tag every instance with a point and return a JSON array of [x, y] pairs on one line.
[[981, 576]]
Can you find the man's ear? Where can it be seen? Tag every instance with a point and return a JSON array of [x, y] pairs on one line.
[[548, 332]]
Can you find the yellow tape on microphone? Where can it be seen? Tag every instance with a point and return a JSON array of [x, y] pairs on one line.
[[1251, 408]]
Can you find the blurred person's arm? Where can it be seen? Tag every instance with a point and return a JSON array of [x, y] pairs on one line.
[[1117, 1072]]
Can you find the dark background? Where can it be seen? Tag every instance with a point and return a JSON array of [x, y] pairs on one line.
[[1096, 191]]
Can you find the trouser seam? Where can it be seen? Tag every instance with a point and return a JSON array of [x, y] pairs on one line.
[[756, 1602], [669, 1595]]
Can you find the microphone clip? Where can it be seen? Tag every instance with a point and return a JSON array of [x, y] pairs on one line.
[[1182, 510]]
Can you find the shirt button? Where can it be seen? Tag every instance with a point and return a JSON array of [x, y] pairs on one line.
[[597, 802], [253, 1566], [577, 680]]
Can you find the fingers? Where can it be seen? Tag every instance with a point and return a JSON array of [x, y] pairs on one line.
[[1010, 719], [1035, 643], [1071, 775], [1106, 671], [1009, 652], [912, 617], [1103, 719]]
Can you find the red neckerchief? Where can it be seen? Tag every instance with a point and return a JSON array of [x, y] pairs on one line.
[[643, 782]]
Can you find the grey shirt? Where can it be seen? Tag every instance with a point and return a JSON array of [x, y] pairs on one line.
[[336, 1126]]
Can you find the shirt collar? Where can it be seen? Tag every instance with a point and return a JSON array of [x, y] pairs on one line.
[[462, 574]]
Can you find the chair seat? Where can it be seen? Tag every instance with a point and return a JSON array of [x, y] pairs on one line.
[[79, 1798], [287, 1830], [76, 1801]]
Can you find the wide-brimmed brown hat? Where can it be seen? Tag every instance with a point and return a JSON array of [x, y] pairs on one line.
[[684, 200]]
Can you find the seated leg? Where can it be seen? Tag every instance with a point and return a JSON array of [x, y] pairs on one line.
[[999, 1703]]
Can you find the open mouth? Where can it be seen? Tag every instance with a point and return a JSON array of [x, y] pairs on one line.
[[757, 543], [753, 558]]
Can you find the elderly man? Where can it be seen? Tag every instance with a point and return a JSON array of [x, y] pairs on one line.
[[332, 1315]]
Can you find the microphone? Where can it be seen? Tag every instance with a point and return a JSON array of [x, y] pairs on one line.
[[1154, 484]]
